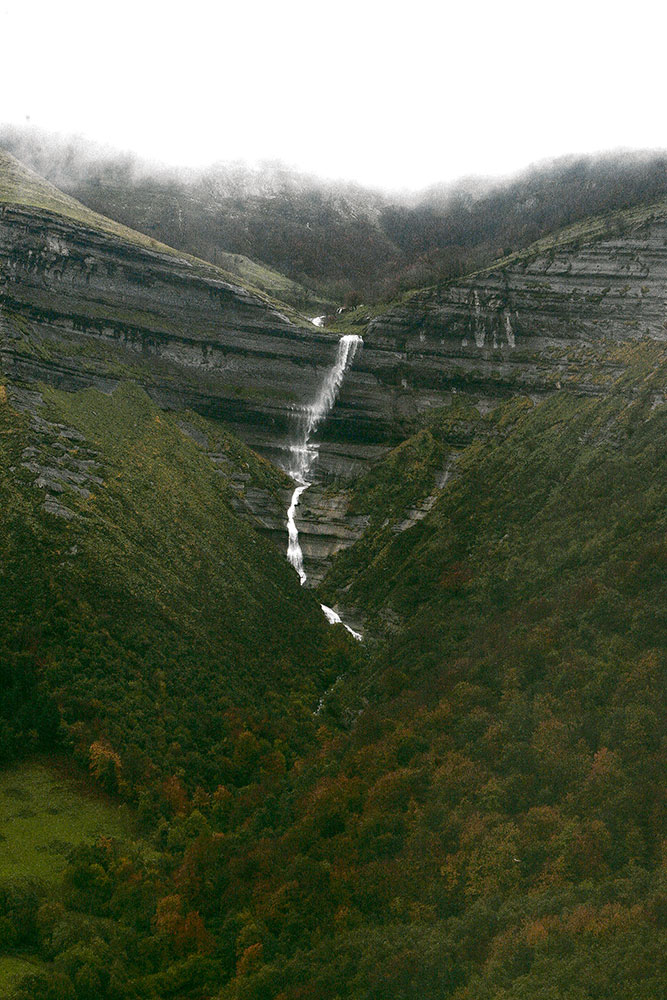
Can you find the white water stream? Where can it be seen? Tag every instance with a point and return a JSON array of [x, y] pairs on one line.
[[303, 453], [335, 619]]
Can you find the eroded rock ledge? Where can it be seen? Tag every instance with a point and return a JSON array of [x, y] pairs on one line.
[[81, 307]]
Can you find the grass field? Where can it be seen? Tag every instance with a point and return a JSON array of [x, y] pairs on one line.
[[44, 812], [12, 970]]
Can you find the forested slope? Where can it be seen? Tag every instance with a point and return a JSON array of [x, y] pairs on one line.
[[133, 595], [470, 804], [477, 809], [493, 824]]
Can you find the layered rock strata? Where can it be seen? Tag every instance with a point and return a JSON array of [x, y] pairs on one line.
[[527, 324], [82, 306]]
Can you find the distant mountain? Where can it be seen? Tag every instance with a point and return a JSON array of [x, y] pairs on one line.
[[341, 241]]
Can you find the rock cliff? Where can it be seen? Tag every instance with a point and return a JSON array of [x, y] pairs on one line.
[[85, 301], [79, 306], [529, 323], [561, 316]]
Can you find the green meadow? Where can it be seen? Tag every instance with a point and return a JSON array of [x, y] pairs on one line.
[[44, 813], [13, 968]]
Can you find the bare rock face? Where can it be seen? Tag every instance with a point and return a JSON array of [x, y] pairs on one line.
[[530, 324], [326, 527], [82, 307], [533, 324], [538, 323]]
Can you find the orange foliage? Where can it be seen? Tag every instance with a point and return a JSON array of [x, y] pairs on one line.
[[188, 932], [175, 794], [105, 764], [250, 958]]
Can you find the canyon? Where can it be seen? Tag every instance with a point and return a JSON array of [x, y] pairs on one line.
[[86, 303], [467, 803]]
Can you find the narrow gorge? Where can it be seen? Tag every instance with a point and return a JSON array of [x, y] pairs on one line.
[[196, 483]]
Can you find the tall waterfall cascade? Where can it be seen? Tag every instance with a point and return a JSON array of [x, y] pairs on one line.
[[303, 452]]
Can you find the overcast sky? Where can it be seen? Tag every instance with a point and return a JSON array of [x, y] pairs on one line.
[[396, 95]]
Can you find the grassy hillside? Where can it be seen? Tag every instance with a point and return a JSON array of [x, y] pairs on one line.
[[45, 811], [48, 812], [350, 243], [22, 187]]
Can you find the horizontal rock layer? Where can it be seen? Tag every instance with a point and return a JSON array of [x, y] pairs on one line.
[[521, 325], [83, 307]]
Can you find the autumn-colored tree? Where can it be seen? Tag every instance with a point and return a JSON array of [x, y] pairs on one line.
[[105, 766]]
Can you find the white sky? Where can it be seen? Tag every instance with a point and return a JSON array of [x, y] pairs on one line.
[[397, 95]]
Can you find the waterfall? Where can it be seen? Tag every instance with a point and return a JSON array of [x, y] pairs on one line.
[[335, 619], [303, 453], [294, 553]]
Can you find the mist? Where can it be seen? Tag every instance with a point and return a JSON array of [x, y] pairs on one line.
[[389, 97]]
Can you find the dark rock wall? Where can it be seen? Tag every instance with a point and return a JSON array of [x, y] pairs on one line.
[[519, 327], [80, 307]]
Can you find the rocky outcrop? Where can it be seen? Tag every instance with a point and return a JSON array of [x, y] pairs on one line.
[[84, 307], [533, 324], [326, 527], [58, 459], [529, 324]]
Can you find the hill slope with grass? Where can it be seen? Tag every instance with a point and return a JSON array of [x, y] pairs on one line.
[[348, 242], [19, 185], [132, 589]]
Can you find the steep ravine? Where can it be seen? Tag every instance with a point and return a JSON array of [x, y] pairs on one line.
[[81, 306]]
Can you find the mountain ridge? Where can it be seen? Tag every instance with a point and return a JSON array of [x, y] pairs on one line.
[[353, 243]]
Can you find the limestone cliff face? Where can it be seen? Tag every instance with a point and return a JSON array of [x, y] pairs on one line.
[[81, 307], [527, 324], [537, 322], [560, 319]]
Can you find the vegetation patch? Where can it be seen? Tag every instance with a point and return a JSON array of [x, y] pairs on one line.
[[13, 969], [45, 811]]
